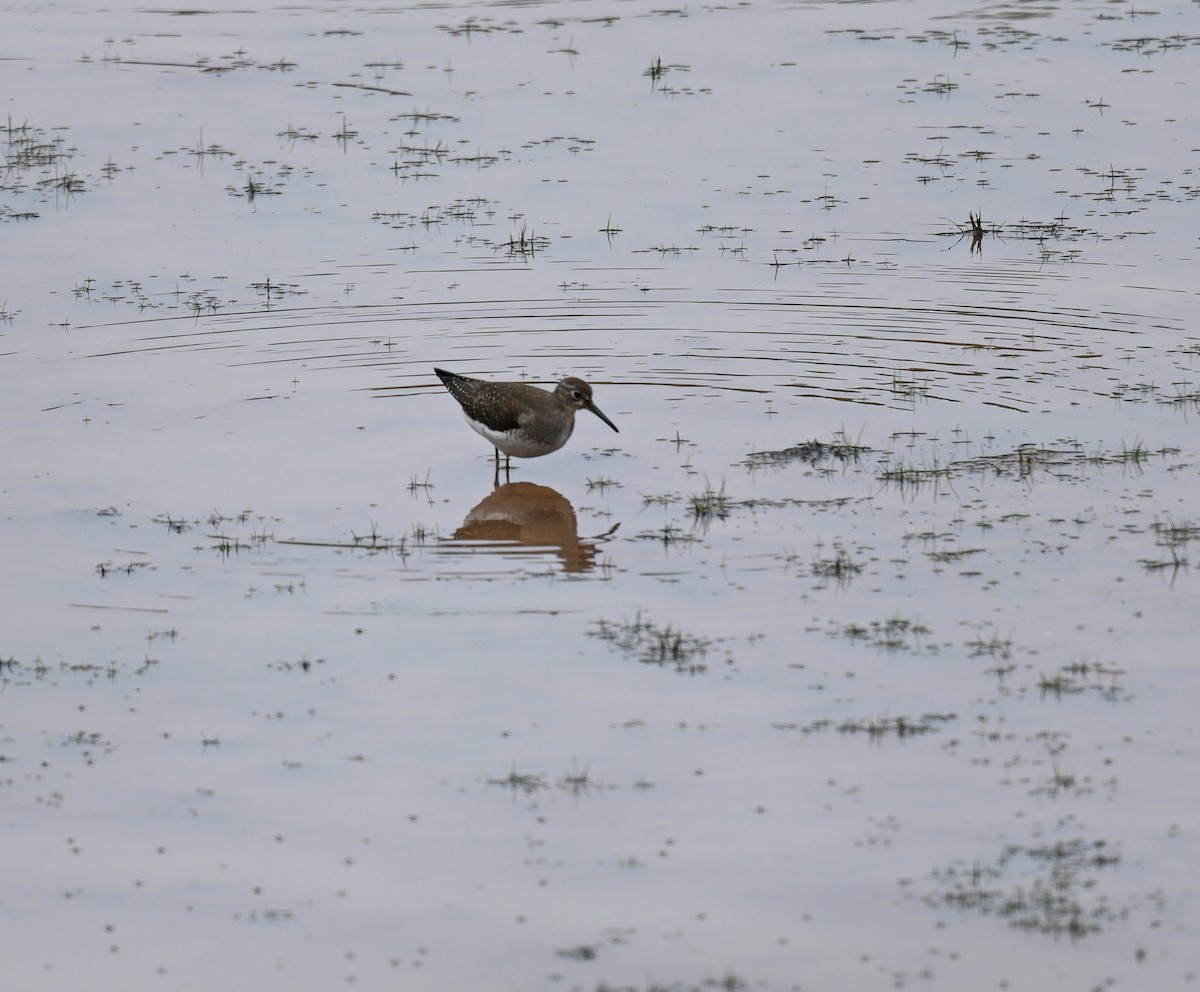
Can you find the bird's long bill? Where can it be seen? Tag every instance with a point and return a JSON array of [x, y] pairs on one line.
[[596, 410]]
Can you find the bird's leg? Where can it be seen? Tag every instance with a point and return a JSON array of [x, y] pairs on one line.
[[507, 469]]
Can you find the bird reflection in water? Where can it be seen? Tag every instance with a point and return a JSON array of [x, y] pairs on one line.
[[530, 516]]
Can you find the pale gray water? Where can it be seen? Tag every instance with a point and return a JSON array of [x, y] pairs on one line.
[[923, 717]]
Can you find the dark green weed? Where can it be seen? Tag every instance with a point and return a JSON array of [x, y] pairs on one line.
[[894, 634], [841, 450], [839, 567], [1050, 889], [712, 504], [651, 644]]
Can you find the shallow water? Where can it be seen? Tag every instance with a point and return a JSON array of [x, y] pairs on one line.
[[861, 656]]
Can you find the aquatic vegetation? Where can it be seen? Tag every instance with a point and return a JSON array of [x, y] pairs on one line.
[[1048, 888], [839, 566], [840, 450], [662, 646], [712, 504]]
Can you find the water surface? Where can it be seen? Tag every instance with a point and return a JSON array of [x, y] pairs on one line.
[[862, 656]]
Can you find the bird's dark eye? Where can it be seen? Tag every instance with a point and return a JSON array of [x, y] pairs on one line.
[[577, 394]]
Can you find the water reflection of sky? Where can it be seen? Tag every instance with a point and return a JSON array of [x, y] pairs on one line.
[[257, 696]]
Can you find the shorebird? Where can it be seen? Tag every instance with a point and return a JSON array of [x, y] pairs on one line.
[[519, 419]]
